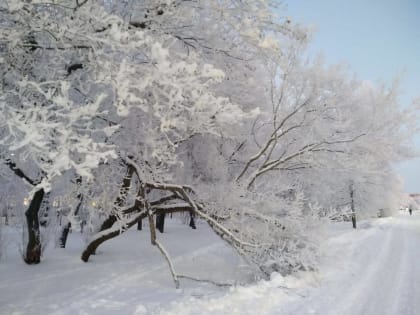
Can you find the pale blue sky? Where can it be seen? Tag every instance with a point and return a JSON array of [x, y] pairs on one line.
[[379, 39]]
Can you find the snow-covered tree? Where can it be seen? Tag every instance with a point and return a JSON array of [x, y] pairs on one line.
[[130, 110]]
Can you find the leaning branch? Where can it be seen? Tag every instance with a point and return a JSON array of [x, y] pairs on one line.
[[105, 235]]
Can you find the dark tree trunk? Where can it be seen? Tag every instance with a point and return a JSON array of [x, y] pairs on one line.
[[104, 234], [91, 248], [67, 227], [33, 248], [64, 234], [44, 210], [108, 223], [119, 202], [140, 225], [160, 222], [192, 222]]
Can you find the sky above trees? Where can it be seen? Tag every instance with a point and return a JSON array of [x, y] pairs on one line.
[[378, 39]]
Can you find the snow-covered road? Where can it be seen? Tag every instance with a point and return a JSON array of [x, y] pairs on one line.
[[374, 270], [381, 276]]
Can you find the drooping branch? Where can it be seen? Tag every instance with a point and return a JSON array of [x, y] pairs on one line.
[[168, 259], [154, 240], [181, 190]]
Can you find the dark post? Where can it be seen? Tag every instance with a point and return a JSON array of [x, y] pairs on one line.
[[353, 212]]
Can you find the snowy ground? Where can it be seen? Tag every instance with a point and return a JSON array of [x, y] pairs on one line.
[[373, 270]]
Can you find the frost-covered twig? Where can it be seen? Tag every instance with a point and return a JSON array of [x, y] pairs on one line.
[[204, 216], [219, 284], [223, 231], [168, 259], [154, 240]]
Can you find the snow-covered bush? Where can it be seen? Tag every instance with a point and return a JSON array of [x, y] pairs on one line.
[[279, 233]]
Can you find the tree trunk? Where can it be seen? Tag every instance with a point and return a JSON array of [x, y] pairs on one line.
[[33, 248], [140, 225], [160, 222], [44, 210], [66, 229], [119, 202], [108, 223], [107, 231], [107, 235], [192, 222], [64, 234]]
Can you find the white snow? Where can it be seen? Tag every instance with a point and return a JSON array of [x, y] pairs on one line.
[[371, 270]]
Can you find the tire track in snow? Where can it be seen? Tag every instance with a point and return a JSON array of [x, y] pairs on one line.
[[408, 289], [389, 283], [383, 277], [377, 284]]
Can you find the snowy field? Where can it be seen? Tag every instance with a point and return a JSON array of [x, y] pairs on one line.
[[373, 270]]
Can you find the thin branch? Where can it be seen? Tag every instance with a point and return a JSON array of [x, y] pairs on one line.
[[311, 147], [154, 241], [171, 266], [219, 284], [237, 150], [272, 138]]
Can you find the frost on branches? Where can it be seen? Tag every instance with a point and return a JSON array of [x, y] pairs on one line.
[[121, 112]]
